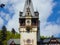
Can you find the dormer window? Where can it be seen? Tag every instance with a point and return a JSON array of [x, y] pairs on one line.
[[36, 13], [28, 9]]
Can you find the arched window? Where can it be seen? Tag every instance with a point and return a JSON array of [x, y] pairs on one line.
[[28, 41]]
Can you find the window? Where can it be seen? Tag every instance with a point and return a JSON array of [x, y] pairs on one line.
[[28, 9], [28, 41], [34, 21], [22, 22]]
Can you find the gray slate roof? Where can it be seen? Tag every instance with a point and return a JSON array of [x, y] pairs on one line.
[[48, 39], [16, 41]]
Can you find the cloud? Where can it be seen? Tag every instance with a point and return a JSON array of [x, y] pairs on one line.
[[7, 17], [5, 1], [2, 14], [1, 22], [13, 23], [11, 6], [50, 29], [45, 10], [7, 12]]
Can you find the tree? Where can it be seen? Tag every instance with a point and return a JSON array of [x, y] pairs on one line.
[[4, 34], [1, 43], [9, 35], [13, 31], [1, 38]]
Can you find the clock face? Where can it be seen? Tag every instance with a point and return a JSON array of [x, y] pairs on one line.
[[28, 21]]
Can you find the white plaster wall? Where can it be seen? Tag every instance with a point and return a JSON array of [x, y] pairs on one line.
[[34, 29], [25, 36], [22, 29]]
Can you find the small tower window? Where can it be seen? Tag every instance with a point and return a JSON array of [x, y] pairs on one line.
[[28, 9]]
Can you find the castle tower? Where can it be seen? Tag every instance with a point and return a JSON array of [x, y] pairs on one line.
[[29, 25]]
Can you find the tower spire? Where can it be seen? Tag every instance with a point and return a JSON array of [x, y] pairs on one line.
[[28, 4], [28, 1], [29, 25]]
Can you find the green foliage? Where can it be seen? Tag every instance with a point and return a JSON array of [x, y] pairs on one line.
[[44, 37], [3, 33], [1, 38], [9, 35], [13, 31]]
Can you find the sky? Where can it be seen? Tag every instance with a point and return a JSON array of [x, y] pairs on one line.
[[49, 15]]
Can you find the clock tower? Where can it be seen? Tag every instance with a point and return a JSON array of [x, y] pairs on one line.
[[29, 25]]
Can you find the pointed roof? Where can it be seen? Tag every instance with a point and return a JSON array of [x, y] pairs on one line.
[[28, 4]]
